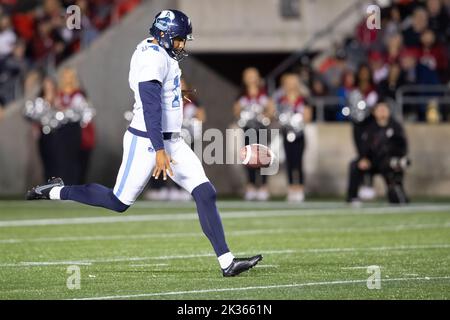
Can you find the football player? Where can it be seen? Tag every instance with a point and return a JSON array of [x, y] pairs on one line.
[[152, 145]]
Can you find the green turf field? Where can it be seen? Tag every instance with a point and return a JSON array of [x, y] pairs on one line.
[[317, 250]]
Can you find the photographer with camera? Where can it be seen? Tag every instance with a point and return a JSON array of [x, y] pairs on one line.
[[383, 151]]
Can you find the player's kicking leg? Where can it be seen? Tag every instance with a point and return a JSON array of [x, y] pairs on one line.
[[133, 175], [189, 174]]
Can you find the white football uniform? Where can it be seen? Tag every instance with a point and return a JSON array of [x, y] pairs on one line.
[[151, 62]]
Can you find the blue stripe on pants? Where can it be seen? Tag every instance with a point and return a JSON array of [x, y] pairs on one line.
[[127, 166]]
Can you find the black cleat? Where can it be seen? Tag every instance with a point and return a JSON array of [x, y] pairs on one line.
[[43, 192], [240, 265]]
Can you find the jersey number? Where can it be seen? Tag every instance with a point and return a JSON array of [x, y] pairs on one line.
[[176, 92]]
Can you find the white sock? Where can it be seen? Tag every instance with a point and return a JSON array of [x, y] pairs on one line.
[[225, 260], [55, 193]]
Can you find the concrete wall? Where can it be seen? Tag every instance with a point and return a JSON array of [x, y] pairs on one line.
[[256, 25], [330, 149]]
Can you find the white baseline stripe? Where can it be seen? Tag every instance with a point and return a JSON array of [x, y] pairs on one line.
[[279, 286], [203, 255], [224, 215]]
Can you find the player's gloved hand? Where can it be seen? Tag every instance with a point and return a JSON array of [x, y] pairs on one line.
[[162, 164]]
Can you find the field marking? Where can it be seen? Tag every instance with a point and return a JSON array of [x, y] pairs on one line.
[[396, 227], [267, 266], [141, 236], [279, 286], [222, 204], [204, 255], [356, 268], [225, 215], [150, 265]]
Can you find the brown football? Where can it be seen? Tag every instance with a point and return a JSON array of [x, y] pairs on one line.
[[256, 156]]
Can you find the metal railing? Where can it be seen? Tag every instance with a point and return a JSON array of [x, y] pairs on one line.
[[412, 95], [419, 95]]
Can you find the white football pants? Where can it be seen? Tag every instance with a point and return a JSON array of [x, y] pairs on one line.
[[138, 162]]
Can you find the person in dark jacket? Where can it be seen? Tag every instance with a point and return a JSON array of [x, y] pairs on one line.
[[383, 151]]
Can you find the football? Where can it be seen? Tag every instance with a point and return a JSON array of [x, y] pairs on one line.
[[256, 156]]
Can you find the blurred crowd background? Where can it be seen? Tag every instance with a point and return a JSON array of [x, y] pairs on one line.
[[403, 68]]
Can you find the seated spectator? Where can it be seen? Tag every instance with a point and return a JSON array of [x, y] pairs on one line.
[[378, 67], [433, 55], [419, 23], [394, 46], [88, 31], [394, 24], [395, 79], [333, 68], [384, 151], [343, 92], [438, 20], [419, 74]]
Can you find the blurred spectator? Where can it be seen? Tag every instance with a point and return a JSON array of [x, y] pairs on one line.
[[319, 90], [48, 147], [416, 73], [394, 24], [384, 152], [347, 85], [333, 68], [361, 101], [72, 97], [88, 31], [419, 23], [41, 25], [378, 66], [254, 109], [122, 7], [7, 36], [293, 112], [62, 124], [394, 45], [439, 20], [395, 79], [12, 72], [433, 55]]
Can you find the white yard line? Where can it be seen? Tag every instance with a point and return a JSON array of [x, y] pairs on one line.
[[160, 235], [267, 266], [203, 255], [150, 265], [278, 286], [397, 227], [225, 215]]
